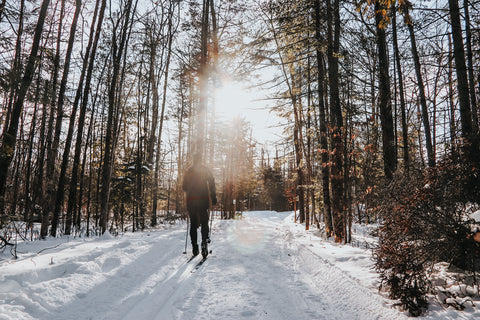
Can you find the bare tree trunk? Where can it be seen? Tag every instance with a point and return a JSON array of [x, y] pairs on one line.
[[171, 32], [77, 219], [2, 8], [421, 88], [406, 156], [308, 149], [471, 77], [179, 196], [7, 148], [91, 54], [31, 135], [213, 68], [333, 38], [117, 55], [16, 72], [14, 79], [419, 132], [297, 140], [327, 214], [203, 81], [153, 85], [470, 139], [48, 194], [90, 189], [61, 181], [385, 103], [451, 103], [39, 174], [18, 165], [88, 144]]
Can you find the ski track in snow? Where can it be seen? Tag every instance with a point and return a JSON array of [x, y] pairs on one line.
[[262, 267]]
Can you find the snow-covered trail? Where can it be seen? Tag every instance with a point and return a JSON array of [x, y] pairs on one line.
[[262, 267]]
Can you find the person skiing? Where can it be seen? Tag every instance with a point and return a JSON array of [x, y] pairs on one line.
[[199, 186]]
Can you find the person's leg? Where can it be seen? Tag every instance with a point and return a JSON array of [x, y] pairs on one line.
[[204, 223], [194, 223], [203, 215]]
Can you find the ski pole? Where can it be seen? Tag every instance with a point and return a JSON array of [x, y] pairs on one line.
[[210, 230], [186, 237], [211, 219]]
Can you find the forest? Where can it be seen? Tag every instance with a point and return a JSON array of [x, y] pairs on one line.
[[104, 103]]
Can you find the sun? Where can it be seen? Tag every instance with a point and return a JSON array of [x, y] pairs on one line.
[[232, 99], [242, 99]]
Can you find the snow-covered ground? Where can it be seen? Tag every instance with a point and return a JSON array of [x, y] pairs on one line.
[[263, 266]]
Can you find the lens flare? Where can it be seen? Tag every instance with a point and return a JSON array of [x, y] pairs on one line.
[[246, 236]]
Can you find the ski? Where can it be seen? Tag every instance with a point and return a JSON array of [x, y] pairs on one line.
[[201, 262], [198, 265], [192, 257]]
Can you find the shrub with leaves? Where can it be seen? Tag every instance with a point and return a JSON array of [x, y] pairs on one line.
[[426, 219]]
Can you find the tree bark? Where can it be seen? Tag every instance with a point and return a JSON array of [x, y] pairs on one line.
[[162, 114], [109, 136], [451, 103], [470, 141], [385, 103], [89, 54], [327, 214], [154, 88], [28, 197], [15, 72], [203, 81], [406, 156], [337, 136], [471, 77], [7, 149], [72, 198], [48, 197], [421, 87], [297, 140], [214, 74], [2, 8]]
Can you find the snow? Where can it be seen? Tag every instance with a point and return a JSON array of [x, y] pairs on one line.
[[476, 216], [263, 266]]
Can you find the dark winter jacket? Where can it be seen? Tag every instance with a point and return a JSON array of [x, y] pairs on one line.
[[199, 184]]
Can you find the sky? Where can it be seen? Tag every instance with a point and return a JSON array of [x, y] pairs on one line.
[[235, 99], [245, 98]]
